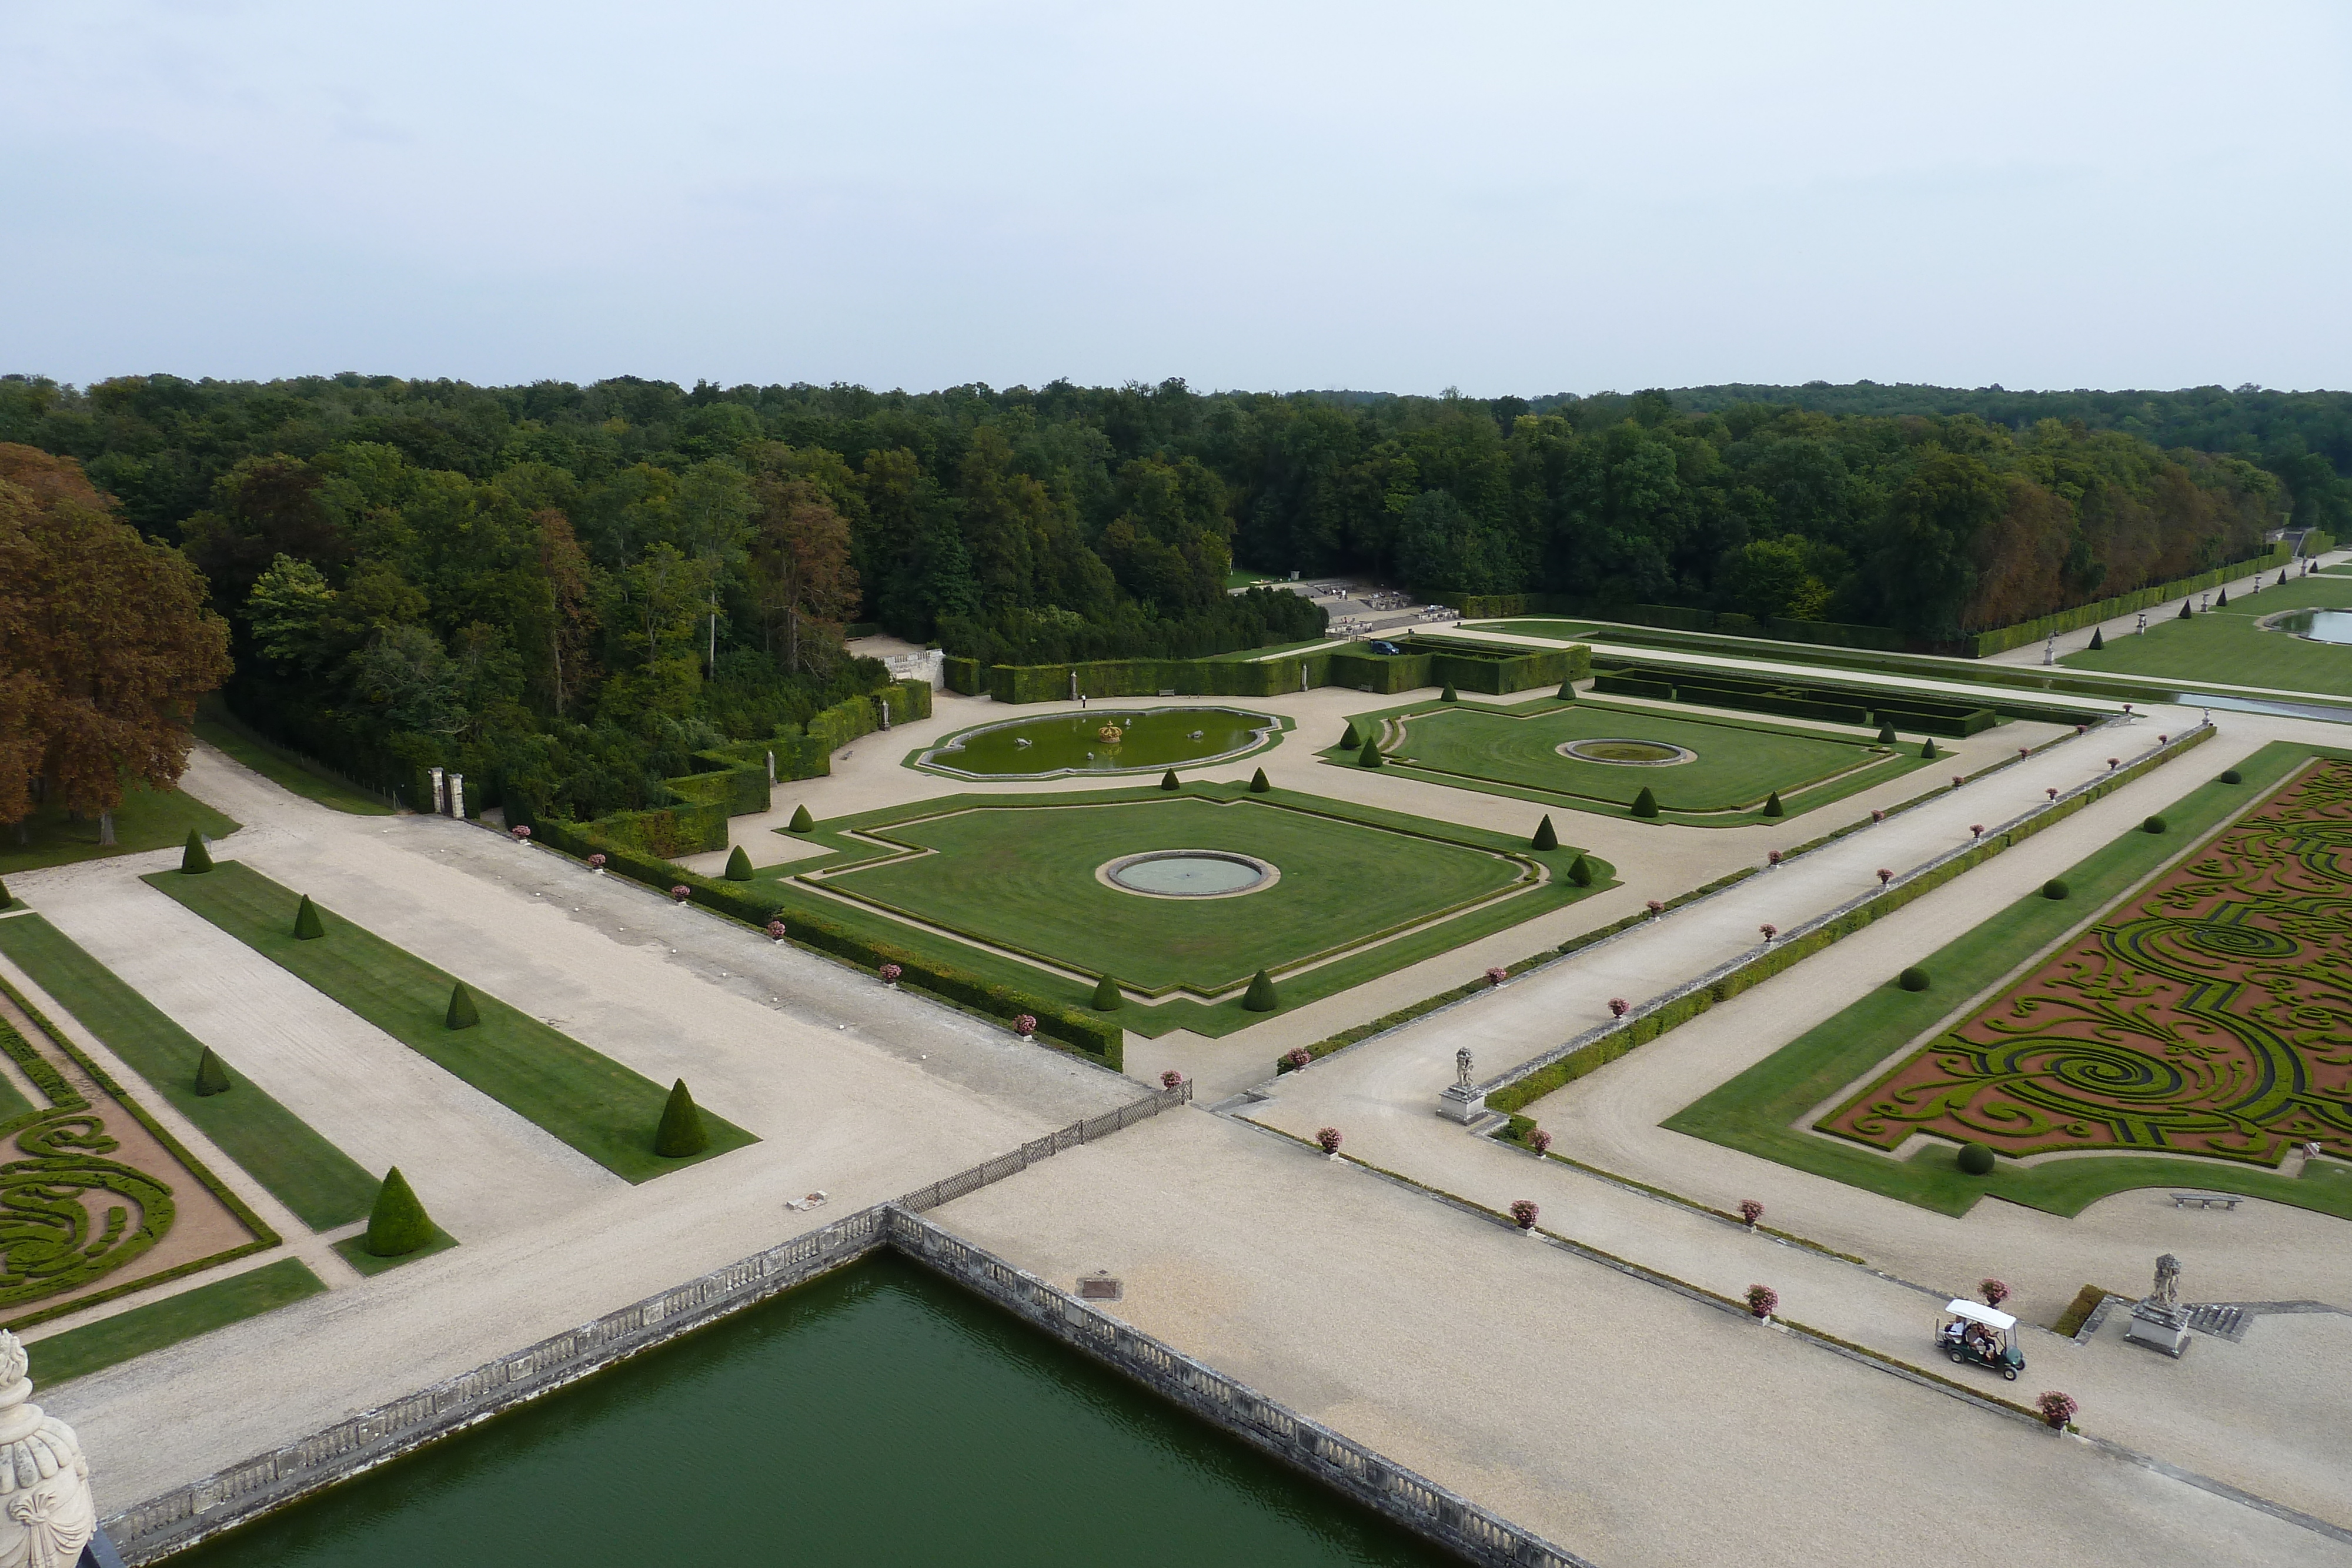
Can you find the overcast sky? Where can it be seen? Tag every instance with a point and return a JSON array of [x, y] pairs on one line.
[[1506, 198]]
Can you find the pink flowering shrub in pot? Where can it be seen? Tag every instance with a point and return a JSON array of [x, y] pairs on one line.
[[1297, 1058], [1618, 1006], [1524, 1213], [681, 893], [1654, 907], [1884, 876], [2056, 1408], [1751, 1211], [521, 834], [1994, 1291], [1171, 1079], [1495, 977], [1025, 1025], [1763, 1301], [1539, 1141], [1327, 1140], [776, 930], [890, 972], [596, 862]]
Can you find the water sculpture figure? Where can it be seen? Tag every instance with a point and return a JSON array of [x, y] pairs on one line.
[[1109, 734]]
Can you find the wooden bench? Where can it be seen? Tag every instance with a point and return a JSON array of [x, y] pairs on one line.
[[2205, 1200]]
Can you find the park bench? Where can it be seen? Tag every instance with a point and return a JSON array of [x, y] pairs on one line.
[[2204, 1199]]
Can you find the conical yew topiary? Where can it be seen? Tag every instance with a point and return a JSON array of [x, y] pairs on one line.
[[801, 820], [1349, 739], [2098, 638], [1928, 749], [2220, 599], [212, 1078], [1258, 786], [4, 895], [739, 865], [462, 1013], [1262, 998], [307, 926], [1107, 996], [681, 1132], [1168, 781], [2185, 611], [398, 1224], [1449, 695], [196, 860], [1645, 804], [1369, 757], [1772, 807], [1546, 837], [1568, 690], [1580, 871], [1886, 734]]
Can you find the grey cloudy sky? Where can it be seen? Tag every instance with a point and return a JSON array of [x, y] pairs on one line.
[[1508, 198]]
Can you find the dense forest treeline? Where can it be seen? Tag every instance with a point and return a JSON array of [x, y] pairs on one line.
[[578, 585]]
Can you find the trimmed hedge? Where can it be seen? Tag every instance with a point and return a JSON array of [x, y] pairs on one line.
[[1770, 961], [1476, 667], [2002, 639]]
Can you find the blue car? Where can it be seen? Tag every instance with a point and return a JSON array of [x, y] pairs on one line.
[[1378, 646]]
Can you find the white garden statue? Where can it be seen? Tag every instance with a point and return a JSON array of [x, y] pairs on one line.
[[46, 1516]]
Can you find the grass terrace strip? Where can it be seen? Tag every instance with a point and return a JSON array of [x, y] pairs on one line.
[[147, 820], [1763, 1111], [605, 1110], [71, 1353], [322, 1186]]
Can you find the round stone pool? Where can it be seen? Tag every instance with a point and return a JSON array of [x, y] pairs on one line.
[[1189, 873], [1629, 753]]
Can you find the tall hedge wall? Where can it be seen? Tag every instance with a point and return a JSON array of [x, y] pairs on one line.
[[1470, 667]]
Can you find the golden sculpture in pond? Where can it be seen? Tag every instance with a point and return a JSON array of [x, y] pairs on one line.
[[1109, 734]]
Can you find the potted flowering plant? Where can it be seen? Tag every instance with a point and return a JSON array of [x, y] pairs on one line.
[[522, 834], [1327, 1140], [596, 862], [1296, 1059], [1763, 1301], [1539, 1141], [890, 972], [1618, 1006], [1769, 931], [1994, 1291], [681, 893], [1772, 857], [1655, 908], [1025, 1025], [1957, 780], [1884, 876], [1171, 1079], [2051, 791], [1524, 1213], [2056, 1408], [1495, 977], [1877, 816], [776, 930], [1751, 1211], [1976, 829]]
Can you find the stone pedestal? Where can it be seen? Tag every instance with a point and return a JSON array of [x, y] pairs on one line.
[[440, 793], [2158, 1328], [457, 796], [46, 1515], [1461, 1102]]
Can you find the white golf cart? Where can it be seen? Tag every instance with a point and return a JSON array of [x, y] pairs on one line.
[[1971, 1332]]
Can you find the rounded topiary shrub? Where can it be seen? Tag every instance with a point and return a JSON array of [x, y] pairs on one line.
[[801, 820], [2153, 825], [462, 1013], [1258, 786], [307, 926], [1975, 1158], [1772, 807], [1107, 996], [1580, 871], [1546, 837], [195, 859], [1645, 804], [1262, 997], [398, 1224], [1168, 781], [1914, 978], [211, 1077], [2231, 775], [2055, 888], [1370, 755], [739, 865], [681, 1132]]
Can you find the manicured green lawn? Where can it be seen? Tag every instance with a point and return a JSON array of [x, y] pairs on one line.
[[352, 1249], [1013, 878], [586, 1099], [148, 820], [323, 1186], [1513, 751], [290, 775], [2223, 646], [70, 1355], [1327, 832], [1758, 1111]]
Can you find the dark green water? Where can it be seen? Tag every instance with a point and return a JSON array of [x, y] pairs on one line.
[[1073, 743], [879, 1416]]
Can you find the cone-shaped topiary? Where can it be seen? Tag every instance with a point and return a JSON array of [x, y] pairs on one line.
[[1168, 781], [1258, 786], [1107, 996], [1886, 734], [681, 1132], [1928, 749], [1262, 998], [1568, 690], [462, 1013], [1349, 739], [1772, 807], [212, 1078], [801, 820], [1369, 757], [196, 860], [2098, 638], [1449, 695], [739, 865], [4, 895], [1546, 837], [2220, 599], [307, 926], [1580, 871], [2185, 612], [398, 1224], [1645, 804]]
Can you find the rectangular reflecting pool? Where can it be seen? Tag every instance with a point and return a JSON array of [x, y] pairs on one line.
[[880, 1414]]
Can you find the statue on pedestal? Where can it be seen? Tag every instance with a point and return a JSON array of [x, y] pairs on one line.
[[1462, 1068], [46, 1515], [2158, 1320]]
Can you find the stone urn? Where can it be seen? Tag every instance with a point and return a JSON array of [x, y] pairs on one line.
[[46, 1515]]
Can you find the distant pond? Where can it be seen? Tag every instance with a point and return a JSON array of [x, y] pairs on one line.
[[2319, 625]]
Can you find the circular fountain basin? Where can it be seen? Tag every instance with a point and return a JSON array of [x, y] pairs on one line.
[[1189, 873], [1629, 753]]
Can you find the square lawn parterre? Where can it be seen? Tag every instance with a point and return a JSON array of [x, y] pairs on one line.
[[1736, 765], [1023, 877]]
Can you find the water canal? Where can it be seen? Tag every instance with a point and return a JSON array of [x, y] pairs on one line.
[[877, 1416]]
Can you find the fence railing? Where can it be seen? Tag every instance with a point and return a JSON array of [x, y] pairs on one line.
[[180, 1518]]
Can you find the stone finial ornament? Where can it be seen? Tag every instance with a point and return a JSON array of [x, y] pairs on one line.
[[47, 1514]]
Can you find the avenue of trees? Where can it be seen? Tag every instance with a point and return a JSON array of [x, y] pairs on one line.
[[577, 586]]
